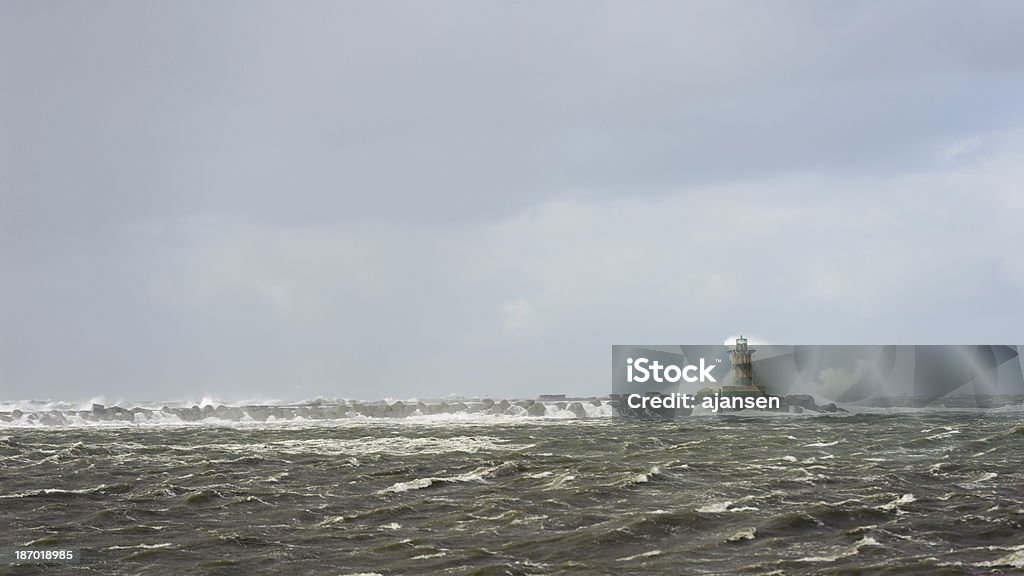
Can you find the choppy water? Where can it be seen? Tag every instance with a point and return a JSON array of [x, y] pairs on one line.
[[926, 493]]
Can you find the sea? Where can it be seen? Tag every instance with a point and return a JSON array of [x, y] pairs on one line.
[[879, 491]]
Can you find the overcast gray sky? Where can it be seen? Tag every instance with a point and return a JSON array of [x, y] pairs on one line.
[[369, 199]]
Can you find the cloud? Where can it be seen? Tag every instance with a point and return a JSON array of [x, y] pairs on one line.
[[516, 315], [960, 148], [365, 203], [240, 308]]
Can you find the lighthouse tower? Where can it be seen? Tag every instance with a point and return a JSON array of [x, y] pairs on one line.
[[743, 365]]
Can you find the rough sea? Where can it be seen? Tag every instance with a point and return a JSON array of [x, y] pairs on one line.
[[915, 492]]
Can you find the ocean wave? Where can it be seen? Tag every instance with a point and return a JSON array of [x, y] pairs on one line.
[[641, 555], [726, 506], [642, 477], [42, 413], [846, 552], [429, 556], [142, 546], [715, 507], [101, 490], [744, 534], [894, 506], [1015, 558], [211, 411], [479, 475]]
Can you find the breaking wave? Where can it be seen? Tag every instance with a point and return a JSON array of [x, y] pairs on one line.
[[208, 411], [211, 411]]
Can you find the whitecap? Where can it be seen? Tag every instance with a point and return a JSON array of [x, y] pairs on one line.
[[943, 435], [744, 534], [417, 484], [428, 556], [853, 549], [895, 504], [715, 507], [142, 546], [421, 483], [1014, 559], [644, 477], [637, 556]]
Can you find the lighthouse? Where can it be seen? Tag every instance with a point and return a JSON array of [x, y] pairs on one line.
[[743, 365], [741, 382]]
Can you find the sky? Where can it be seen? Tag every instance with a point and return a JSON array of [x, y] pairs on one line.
[[414, 199]]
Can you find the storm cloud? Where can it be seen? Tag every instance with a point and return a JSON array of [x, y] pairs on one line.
[[367, 199]]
